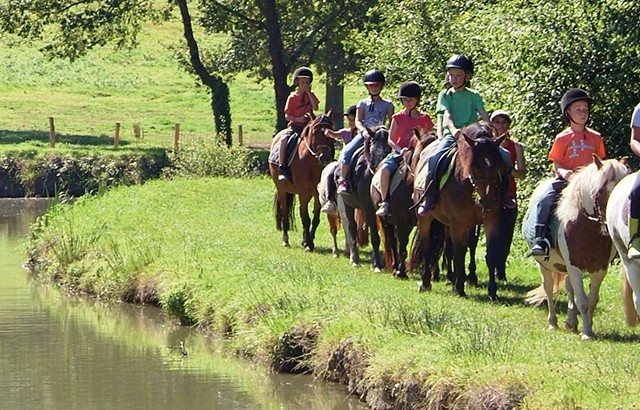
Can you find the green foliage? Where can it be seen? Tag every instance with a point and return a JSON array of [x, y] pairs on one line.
[[206, 157]]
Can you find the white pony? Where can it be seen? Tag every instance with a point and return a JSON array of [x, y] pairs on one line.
[[582, 243], [617, 217]]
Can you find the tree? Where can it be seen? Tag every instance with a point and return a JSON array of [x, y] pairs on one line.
[[269, 38]]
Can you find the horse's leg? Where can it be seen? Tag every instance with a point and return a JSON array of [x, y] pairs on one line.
[[423, 241], [403, 243], [347, 214], [375, 242], [448, 255], [315, 222], [547, 284], [333, 228], [391, 245], [572, 317], [307, 243], [459, 240], [592, 300], [283, 214], [474, 233]]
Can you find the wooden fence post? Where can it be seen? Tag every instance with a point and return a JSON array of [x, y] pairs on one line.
[[52, 133], [240, 136], [176, 137], [116, 137]]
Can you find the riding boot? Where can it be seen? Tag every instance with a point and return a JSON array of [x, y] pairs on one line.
[[429, 199], [284, 174], [383, 209], [541, 244], [633, 252]]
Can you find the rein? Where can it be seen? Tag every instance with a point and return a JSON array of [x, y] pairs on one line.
[[312, 151], [597, 216]]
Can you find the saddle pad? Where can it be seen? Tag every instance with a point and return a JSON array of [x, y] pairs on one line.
[[396, 178], [292, 147], [529, 222], [421, 178]]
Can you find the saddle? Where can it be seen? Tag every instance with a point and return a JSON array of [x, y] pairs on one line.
[[293, 140], [529, 222], [444, 169]]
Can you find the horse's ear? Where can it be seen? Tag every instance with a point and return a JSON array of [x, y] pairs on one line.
[[625, 161], [500, 140], [597, 161], [470, 140]]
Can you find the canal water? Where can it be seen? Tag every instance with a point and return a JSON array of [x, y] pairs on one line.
[[63, 353]]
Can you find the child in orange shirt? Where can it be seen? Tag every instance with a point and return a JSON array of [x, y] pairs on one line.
[[572, 149], [297, 110]]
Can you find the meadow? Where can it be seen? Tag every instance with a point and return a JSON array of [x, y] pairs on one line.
[[216, 261]]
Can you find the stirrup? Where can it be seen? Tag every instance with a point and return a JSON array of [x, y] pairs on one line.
[[633, 252], [541, 247]]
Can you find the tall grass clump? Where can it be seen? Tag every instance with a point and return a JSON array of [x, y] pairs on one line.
[[210, 157]]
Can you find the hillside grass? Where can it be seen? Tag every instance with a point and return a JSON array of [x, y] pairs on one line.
[[215, 260], [144, 86]]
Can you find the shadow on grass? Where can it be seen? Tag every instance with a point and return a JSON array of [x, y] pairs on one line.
[[8, 137]]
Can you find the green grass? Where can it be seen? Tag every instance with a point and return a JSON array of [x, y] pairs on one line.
[[208, 251], [144, 86]]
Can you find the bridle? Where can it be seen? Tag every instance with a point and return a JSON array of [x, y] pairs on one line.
[[597, 215], [316, 149]]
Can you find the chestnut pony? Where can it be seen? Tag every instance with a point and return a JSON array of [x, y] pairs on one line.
[[314, 151], [471, 196]]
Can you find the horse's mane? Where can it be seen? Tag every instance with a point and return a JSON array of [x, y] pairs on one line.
[[584, 186]]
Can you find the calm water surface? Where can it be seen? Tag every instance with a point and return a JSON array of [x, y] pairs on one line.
[[58, 353]]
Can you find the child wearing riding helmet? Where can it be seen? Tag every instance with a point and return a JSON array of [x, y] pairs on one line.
[[345, 135], [297, 111], [371, 112], [572, 149], [400, 136], [634, 209], [460, 106]]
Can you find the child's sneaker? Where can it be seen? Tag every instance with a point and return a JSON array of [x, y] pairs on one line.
[[328, 208], [343, 186], [383, 209]]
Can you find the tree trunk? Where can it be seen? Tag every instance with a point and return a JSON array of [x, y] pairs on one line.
[[276, 52], [219, 89], [333, 60]]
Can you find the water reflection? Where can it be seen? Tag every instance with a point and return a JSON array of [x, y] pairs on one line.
[[62, 353]]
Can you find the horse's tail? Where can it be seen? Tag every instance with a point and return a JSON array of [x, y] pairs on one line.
[[538, 295], [628, 306], [362, 231], [417, 252], [277, 211]]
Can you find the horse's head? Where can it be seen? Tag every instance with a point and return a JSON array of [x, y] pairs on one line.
[[378, 145], [481, 163], [319, 145]]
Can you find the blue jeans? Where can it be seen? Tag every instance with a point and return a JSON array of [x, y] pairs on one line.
[[350, 148]]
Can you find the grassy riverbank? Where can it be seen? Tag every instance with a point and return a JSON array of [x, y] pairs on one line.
[[215, 260]]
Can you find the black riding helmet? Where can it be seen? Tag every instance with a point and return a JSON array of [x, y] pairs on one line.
[[571, 96], [351, 111], [303, 72], [460, 61], [374, 76], [409, 89]]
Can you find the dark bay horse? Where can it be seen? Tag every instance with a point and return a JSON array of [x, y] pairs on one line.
[[375, 150], [314, 151], [472, 195], [397, 225]]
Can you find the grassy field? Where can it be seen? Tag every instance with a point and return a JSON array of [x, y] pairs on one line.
[[179, 243], [143, 86]]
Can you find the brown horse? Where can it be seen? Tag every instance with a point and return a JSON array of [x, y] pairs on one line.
[[472, 195], [314, 151], [397, 225]]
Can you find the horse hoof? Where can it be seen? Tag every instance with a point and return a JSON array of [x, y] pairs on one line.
[[586, 336], [336, 254], [494, 298], [286, 244], [400, 275], [571, 327], [424, 288], [308, 249], [355, 265], [377, 270], [552, 327]]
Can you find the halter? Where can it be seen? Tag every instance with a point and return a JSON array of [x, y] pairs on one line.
[[489, 181], [597, 215]]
